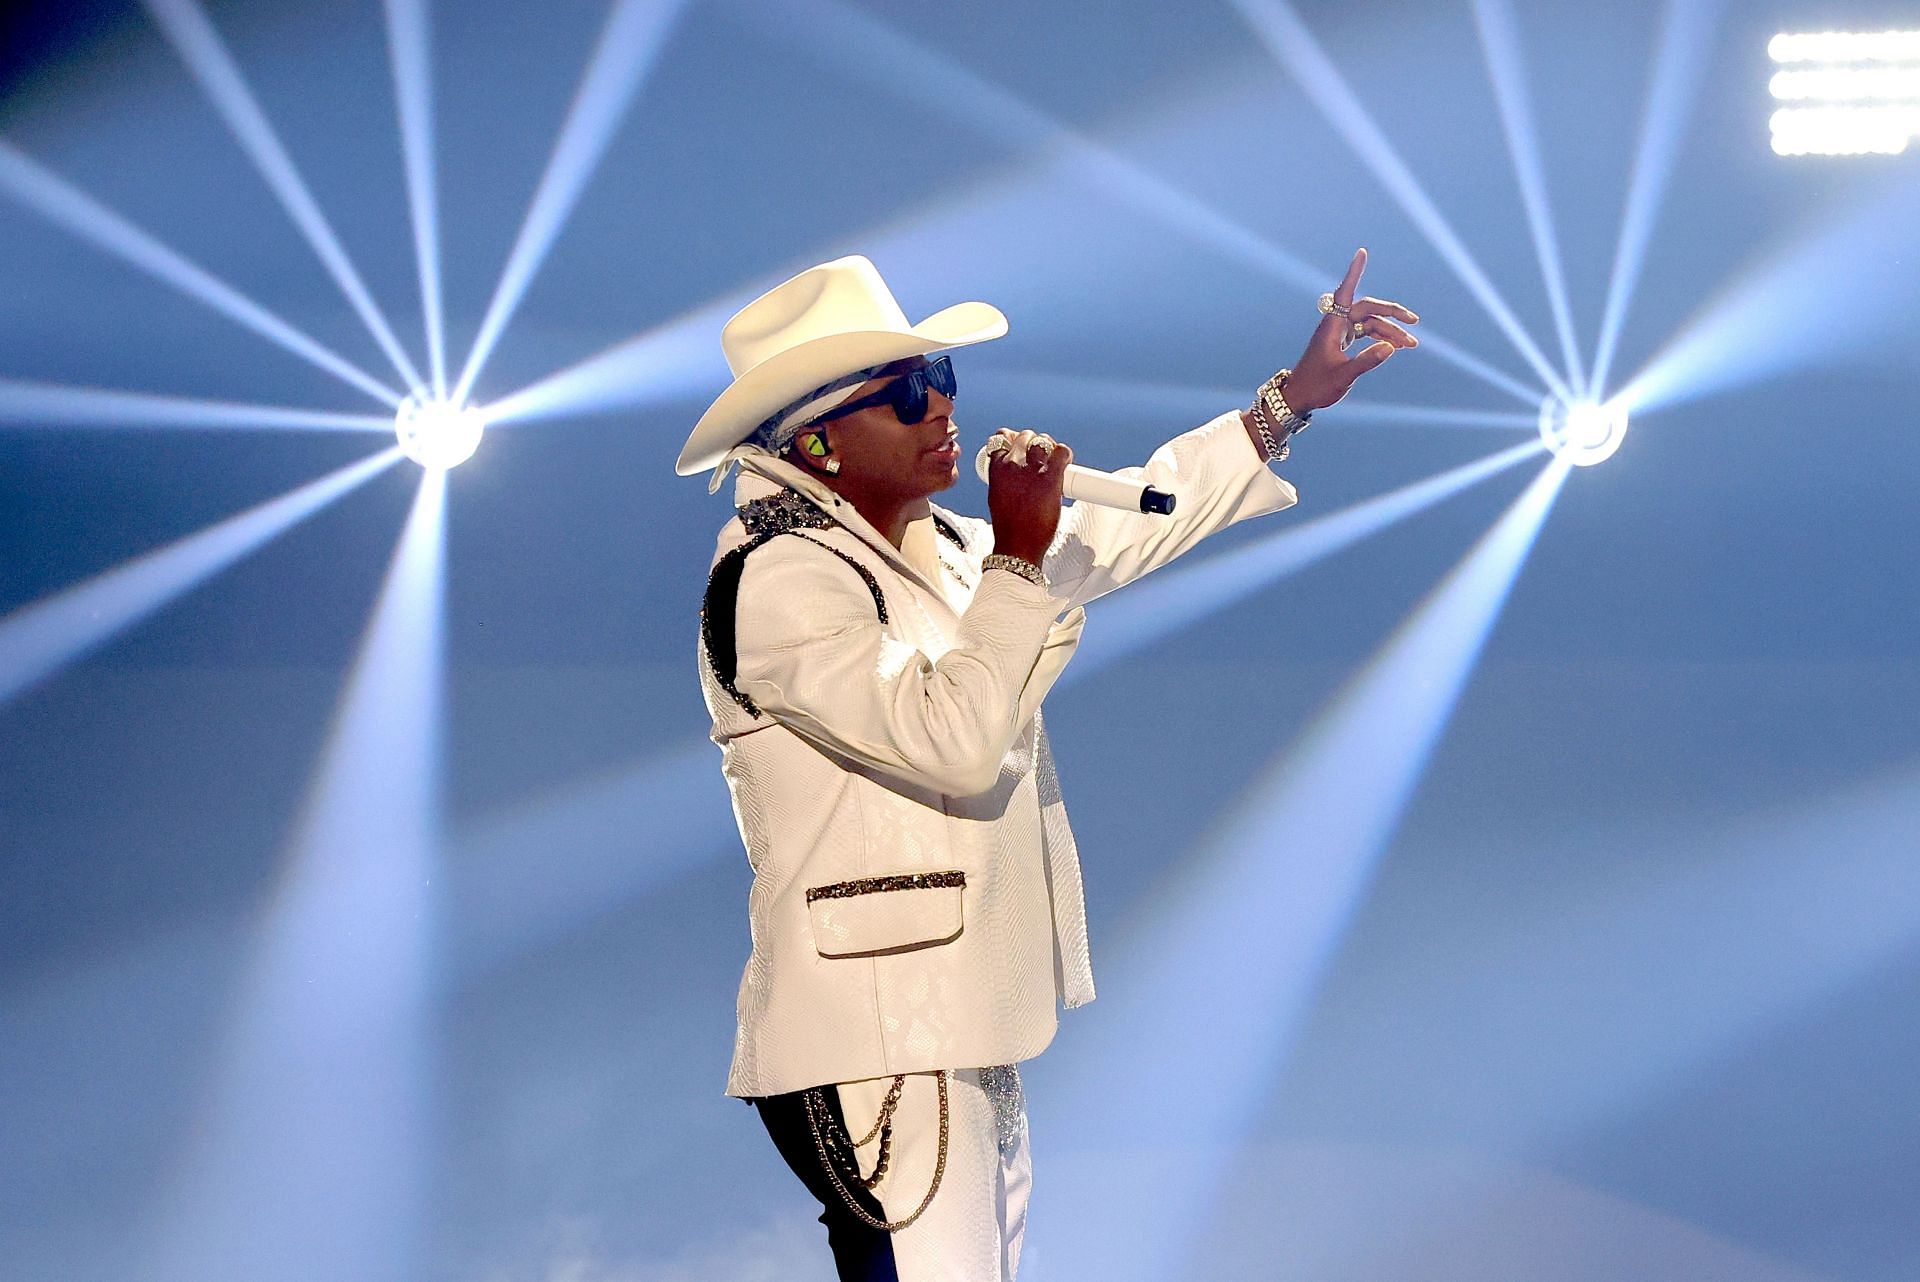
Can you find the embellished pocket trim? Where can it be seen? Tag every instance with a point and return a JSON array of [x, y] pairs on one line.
[[879, 885], [894, 914]]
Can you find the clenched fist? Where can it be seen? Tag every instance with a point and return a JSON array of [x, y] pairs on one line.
[[1024, 481]]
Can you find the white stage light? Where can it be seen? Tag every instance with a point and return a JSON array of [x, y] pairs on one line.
[[1845, 46], [1877, 130], [1582, 432], [438, 434], [1860, 90]]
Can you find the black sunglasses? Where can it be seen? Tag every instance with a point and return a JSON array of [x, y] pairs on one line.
[[907, 394]]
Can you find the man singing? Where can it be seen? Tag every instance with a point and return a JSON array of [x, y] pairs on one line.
[[874, 665]]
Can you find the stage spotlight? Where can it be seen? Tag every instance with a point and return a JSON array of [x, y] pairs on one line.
[[1582, 432], [1855, 93], [438, 435]]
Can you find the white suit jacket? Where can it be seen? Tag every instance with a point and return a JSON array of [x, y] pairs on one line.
[[916, 898]]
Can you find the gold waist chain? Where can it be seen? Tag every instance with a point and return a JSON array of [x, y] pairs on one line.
[[837, 1147]]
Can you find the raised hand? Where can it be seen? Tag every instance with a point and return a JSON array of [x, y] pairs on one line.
[[1326, 371]]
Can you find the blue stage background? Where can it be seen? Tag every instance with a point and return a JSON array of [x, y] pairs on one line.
[[1627, 991]]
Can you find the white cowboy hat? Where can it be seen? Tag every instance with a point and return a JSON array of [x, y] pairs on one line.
[[827, 322]]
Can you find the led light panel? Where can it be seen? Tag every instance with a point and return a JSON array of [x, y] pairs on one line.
[[1853, 93]]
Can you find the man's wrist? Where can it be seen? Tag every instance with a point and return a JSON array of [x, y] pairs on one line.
[[1269, 442], [1278, 397], [1022, 546], [1027, 568], [1253, 433]]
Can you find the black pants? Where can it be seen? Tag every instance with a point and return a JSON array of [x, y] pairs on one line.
[[861, 1253]]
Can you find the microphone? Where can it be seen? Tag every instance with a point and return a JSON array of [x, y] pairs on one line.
[[1089, 485]]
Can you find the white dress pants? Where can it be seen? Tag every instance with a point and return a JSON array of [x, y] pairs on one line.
[[971, 1230]]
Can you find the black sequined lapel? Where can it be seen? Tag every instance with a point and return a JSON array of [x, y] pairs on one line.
[[783, 512]]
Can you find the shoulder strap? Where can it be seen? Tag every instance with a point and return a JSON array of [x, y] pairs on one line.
[[723, 591]]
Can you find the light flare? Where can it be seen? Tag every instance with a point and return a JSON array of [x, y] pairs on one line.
[[508, 893], [678, 359], [859, 42], [1877, 130], [840, 31], [310, 1161], [1846, 84], [193, 37], [438, 435], [1506, 71], [1743, 930], [1781, 315], [1172, 600], [1845, 46], [1583, 433], [1681, 49], [1452, 353], [633, 35], [38, 188], [34, 404], [1142, 399], [38, 640], [1387, 413], [407, 39], [1218, 983], [1295, 48]]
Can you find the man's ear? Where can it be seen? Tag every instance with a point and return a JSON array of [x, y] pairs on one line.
[[812, 447]]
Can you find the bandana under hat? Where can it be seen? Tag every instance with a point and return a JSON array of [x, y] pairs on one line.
[[777, 431]]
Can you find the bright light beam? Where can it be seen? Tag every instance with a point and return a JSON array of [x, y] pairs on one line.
[[413, 96], [681, 357], [1294, 47], [32, 404], [66, 206], [1389, 414], [1106, 396], [206, 55], [1681, 47], [1168, 602], [1103, 398], [1506, 72], [40, 639], [1716, 936], [633, 35], [939, 83], [1447, 350], [1782, 314], [311, 1162], [437, 435], [1239, 938], [542, 870], [677, 359]]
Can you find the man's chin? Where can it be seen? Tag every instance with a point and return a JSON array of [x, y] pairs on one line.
[[943, 481]]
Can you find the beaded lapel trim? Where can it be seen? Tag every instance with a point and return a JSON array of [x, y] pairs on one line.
[[780, 512]]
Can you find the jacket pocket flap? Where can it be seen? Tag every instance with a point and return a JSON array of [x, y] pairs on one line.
[[885, 914]]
